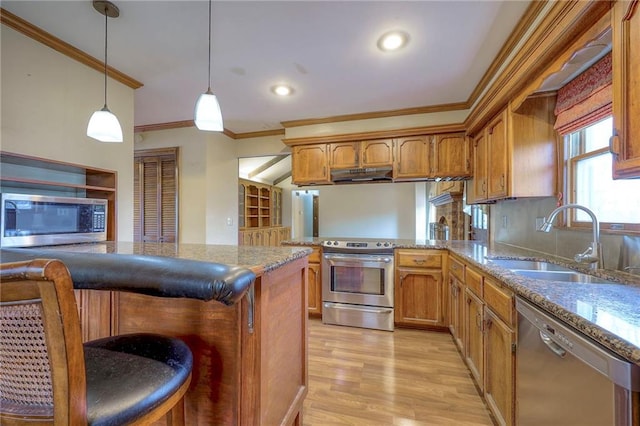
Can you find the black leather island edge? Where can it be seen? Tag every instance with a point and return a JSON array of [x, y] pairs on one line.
[[151, 275]]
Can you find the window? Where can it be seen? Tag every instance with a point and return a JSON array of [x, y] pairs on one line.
[[616, 203]]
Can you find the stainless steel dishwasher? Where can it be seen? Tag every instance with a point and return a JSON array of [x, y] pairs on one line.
[[564, 378]]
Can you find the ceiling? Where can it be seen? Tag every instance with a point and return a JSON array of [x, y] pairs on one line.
[[326, 50], [271, 169]]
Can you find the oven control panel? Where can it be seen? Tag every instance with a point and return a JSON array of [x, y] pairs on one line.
[[358, 245]]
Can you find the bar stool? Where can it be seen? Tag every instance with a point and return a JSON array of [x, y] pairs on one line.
[[48, 376]]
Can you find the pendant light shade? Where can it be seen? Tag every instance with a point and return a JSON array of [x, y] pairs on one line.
[[103, 124], [208, 115]]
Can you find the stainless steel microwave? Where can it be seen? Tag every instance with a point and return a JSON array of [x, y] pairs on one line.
[[38, 220]]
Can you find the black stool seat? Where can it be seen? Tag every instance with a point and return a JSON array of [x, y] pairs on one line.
[[128, 376]]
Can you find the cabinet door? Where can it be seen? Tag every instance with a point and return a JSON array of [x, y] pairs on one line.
[[344, 155], [474, 350], [456, 311], [625, 22], [497, 156], [412, 157], [500, 368], [241, 205], [419, 297], [451, 156], [480, 167], [315, 289], [276, 206], [309, 164], [377, 153]]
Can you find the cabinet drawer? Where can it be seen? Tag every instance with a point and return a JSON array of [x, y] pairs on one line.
[[315, 256], [456, 269], [419, 258], [473, 280], [499, 300]]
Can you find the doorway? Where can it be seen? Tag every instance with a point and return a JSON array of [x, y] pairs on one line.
[[305, 212], [315, 214]]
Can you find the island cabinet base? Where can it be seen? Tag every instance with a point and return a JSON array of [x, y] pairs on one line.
[[240, 376]]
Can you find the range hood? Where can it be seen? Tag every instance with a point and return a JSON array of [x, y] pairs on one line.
[[369, 174]]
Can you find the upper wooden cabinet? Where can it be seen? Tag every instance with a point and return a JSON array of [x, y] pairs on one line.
[[374, 153], [423, 157], [412, 157], [497, 165], [625, 23], [310, 164], [479, 185], [377, 153], [515, 154], [451, 156], [344, 155]]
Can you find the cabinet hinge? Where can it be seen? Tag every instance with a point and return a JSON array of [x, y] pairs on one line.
[[513, 348]]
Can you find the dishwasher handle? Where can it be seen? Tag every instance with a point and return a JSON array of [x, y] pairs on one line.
[[553, 346]]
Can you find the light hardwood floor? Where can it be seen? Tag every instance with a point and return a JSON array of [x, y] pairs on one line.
[[371, 377]]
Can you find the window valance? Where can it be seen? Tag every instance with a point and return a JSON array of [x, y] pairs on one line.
[[586, 99]]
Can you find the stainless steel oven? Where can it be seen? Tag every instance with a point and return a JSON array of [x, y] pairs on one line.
[[357, 284]]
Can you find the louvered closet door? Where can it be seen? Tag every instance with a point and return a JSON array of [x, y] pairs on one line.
[[155, 196]]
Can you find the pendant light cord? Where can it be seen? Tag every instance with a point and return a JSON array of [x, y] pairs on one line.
[[106, 25], [209, 88]]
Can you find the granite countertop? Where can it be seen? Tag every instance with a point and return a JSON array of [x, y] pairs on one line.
[[260, 260], [608, 313]]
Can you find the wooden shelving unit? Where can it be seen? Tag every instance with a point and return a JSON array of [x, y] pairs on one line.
[[25, 174], [260, 214]]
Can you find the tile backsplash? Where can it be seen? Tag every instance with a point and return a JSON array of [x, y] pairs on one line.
[[514, 222]]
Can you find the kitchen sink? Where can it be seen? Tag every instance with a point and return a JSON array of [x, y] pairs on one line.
[[565, 276], [529, 265], [541, 270]]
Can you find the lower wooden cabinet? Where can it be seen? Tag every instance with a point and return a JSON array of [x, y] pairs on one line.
[[315, 289], [418, 297], [474, 342], [314, 282], [500, 351], [500, 360], [419, 288], [456, 311], [485, 333], [269, 236]]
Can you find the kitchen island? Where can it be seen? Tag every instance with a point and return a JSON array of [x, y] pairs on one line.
[[250, 358]]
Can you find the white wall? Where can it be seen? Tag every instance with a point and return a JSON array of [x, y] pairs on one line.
[[47, 99], [207, 180], [222, 189], [379, 210]]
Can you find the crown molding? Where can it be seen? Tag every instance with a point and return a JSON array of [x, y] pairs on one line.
[[259, 134], [384, 134], [564, 22], [189, 123], [39, 35], [378, 114], [526, 21]]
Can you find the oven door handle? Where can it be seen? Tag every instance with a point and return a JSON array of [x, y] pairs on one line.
[[359, 259], [358, 308]]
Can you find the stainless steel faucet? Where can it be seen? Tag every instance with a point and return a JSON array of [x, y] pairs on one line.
[[592, 255]]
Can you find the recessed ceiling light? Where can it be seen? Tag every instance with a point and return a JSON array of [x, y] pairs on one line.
[[393, 40], [282, 90]]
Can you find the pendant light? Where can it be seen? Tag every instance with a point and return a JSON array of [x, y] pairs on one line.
[[103, 124], [207, 114]]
